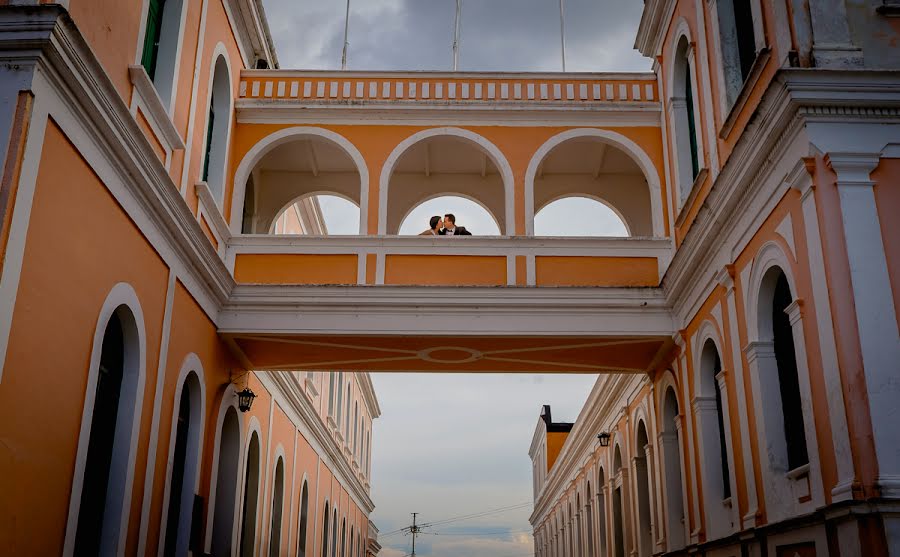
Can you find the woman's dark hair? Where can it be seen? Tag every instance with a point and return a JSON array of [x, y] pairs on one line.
[[434, 222]]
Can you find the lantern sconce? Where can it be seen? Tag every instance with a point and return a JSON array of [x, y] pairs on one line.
[[245, 399], [604, 438]]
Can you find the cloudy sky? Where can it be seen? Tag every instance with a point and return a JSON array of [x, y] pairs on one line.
[[454, 445]]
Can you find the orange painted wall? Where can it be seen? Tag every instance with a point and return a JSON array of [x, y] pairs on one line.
[[887, 199], [596, 271], [445, 270], [295, 269], [555, 442], [51, 338]]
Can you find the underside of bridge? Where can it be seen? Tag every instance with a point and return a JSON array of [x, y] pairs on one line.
[[481, 330]]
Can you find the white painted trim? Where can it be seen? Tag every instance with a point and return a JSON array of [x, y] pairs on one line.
[[163, 360], [147, 97], [286, 136], [182, 184], [267, 527], [253, 426], [121, 295], [21, 217], [190, 365], [616, 140], [492, 151]]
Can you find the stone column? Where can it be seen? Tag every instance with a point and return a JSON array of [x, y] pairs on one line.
[[873, 300]]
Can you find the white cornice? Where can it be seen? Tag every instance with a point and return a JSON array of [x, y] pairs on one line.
[[251, 29], [428, 74]]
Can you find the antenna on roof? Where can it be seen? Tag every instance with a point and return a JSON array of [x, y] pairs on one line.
[[346, 30], [562, 33], [456, 36]]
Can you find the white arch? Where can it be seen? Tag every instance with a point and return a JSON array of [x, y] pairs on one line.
[[616, 140], [220, 171], [194, 453], [287, 135], [451, 194], [682, 29], [229, 400], [303, 196], [253, 426], [135, 339], [709, 330], [493, 152], [592, 197], [270, 501], [769, 255]]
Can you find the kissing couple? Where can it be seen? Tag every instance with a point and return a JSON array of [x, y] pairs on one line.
[[445, 227]]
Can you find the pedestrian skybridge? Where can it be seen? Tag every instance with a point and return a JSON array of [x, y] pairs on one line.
[[389, 141]]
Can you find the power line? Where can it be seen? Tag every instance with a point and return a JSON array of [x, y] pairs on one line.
[[460, 518]]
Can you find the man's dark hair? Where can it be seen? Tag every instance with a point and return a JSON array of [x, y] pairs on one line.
[[450, 217], [433, 222]]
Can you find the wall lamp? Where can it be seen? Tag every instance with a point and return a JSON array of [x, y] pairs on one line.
[[245, 399], [604, 438]]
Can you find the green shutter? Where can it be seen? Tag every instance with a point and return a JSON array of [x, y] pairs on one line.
[[692, 129], [209, 137], [152, 35]]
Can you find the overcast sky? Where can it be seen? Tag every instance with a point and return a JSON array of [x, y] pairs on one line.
[[451, 445]]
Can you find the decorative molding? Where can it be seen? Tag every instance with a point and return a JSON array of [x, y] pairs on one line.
[[756, 70], [156, 111]]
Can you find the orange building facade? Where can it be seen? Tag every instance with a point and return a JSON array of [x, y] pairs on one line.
[[768, 429], [162, 250]]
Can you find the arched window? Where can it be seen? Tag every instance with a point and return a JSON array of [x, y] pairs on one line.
[[277, 510], [738, 44], [115, 398], [671, 450], [579, 216], [331, 394], [340, 399], [251, 497], [788, 380], [160, 52], [711, 424], [601, 514], [325, 519], [684, 120], [185, 466], [226, 484], [304, 520], [355, 425], [334, 534], [347, 418], [645, 523], [618, 509], [217, 127]]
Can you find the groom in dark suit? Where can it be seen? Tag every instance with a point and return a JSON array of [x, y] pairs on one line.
[[450, 228]]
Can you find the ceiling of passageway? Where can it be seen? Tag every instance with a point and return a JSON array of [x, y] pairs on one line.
[[445, 155], [450, 354], [313, 155], [588, 156]]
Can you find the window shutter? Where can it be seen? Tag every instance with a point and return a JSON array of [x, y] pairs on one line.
[[152, 36]]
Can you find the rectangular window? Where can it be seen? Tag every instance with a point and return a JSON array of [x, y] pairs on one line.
[[152, 35]]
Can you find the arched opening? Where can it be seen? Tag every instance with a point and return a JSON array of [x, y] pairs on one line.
[[350, 546], [642, 465], [593, 167], [289, 179], [579, 216], [737, 44], [325, 520], [589, 522], [161, 40], [671, 449], [711, 418], [187, 433], [304, 521], [318, 214], [572, 532], [343, 537], [444, 165], [601, 514], [106, 467], [334, 534], [251, 497], [683, 106], [618, 507], [226, 484], [775, 327], [218, 125], [277, 510], [469, 213]]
